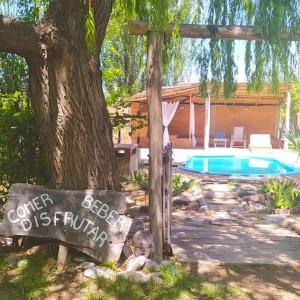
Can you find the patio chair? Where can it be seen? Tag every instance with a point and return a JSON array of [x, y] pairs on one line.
[[220, 139], [260, 142], [238, 139]]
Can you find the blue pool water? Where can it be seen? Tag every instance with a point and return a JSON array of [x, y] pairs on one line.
[[239, 166]]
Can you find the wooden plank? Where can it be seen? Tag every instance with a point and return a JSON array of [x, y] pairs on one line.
[[229, 32], [155, 122], [62, 256], [89, 218]]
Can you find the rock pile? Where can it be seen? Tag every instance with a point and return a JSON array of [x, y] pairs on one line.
[[138, 259], [251, 200]]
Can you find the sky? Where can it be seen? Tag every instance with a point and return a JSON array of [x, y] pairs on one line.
[[239, 59]]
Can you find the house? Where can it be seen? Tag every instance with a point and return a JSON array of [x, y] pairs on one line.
[[196, 119]]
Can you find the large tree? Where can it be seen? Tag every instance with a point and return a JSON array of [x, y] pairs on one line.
[[66, 90]]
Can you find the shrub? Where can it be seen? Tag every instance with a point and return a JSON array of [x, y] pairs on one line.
[[180, 184], [21, 158], [294, 140], [140, 179], [285, 193]]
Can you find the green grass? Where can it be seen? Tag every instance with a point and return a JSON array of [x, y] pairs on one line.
[[34, 277], [178, 284], [29, 280]]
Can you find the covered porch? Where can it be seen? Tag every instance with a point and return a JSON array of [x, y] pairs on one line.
[[194, 121]]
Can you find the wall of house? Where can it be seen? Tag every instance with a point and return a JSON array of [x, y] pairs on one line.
[[254, 119]]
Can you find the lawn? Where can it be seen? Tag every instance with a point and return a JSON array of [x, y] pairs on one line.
[[35, 277]]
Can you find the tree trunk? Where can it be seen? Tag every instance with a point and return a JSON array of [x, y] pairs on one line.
[[66, 92], [155, 139]]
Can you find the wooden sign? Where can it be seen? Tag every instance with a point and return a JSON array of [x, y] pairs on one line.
[[92, 221]]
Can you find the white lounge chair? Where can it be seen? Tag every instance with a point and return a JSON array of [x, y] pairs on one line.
[[260, 142], [238, 139]]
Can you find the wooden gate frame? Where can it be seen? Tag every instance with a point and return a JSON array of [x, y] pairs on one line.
[[167, 197]]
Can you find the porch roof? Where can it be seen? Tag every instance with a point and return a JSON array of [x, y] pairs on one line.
[[190, 92]]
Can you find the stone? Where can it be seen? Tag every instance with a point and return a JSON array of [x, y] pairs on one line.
[[71, 269], [177, 201], [274, 219], [223, 181], [129, 201], [144, 209], [221, 216], [11, 261], [127, 250], [151, 264], [166, 263], [99, 271], [156, 277], [197, 192], [194, 206], [203, 202], [4, 241], [244, 204], [220, 194], [143, 243], [23, 263], [86, 265], [136, 263], [137, 224], [296, 227], [245, 193], [246, 190], [257, 207], [79, 259], [135, 276], [37, 248], [257, 198], [203, 205]]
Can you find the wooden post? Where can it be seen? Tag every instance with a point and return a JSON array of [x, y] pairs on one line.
[[287, 121], [155, 41], [62, 256], [207, 122]]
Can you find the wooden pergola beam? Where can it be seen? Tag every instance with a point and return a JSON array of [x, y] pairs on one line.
[[230, 32]]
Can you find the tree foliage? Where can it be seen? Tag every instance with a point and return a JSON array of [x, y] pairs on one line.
[[21, 157], [271, 60]]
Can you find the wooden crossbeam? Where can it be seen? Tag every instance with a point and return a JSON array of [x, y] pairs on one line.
[[230, 32]]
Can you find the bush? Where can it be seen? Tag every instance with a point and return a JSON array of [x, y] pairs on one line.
[[294, 140], [180, 184], [140, 179], [21, 158], [285, 193]]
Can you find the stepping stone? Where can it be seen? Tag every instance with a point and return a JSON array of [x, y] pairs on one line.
[[274, 218]]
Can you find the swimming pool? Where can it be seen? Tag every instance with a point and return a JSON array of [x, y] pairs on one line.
[[239, 166]]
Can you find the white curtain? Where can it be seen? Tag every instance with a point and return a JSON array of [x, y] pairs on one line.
[[168, 112], [192, 124]]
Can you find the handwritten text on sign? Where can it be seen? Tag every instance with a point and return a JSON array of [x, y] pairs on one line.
[[91, 219]]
